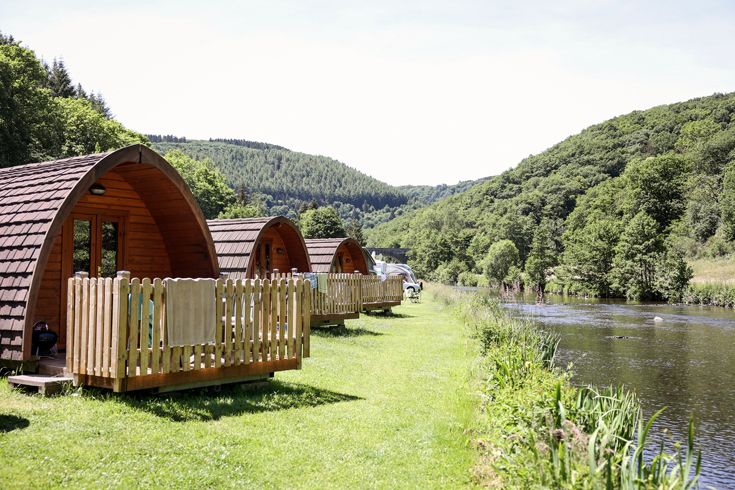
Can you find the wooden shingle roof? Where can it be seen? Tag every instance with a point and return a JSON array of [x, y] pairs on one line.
[[236, 239], [36, 199], [30, 197], [323, 250]]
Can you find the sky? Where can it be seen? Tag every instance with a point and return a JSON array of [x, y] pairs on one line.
[[409, 92]]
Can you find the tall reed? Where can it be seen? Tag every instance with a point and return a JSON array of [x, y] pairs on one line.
[[535, 430]]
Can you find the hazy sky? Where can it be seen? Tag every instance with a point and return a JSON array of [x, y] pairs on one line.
[[409, 92]]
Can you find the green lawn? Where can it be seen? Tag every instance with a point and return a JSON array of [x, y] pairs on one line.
[[381, 404]]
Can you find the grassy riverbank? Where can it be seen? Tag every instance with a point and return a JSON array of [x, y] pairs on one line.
[[713, 283], [381, 404], [535, 430]]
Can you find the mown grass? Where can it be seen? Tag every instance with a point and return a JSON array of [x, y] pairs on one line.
[[536, 430], [383, 403]]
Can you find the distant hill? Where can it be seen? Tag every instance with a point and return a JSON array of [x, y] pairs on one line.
[[287, 180], [665, 175]]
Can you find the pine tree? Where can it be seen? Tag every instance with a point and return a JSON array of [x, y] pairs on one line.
[[8, 39], [354, 230], [80, 93], [99, 104], [59, 80]]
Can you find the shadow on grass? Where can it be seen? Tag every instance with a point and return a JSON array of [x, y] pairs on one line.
[[342, 331], [380, 314], [12, 422], [232, 400]]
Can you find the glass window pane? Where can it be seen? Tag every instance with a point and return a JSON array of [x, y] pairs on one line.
[[108, 268], [82, 245]]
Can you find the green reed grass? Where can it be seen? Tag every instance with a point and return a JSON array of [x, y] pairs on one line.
[[535, 430]]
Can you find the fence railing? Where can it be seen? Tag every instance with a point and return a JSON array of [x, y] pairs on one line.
[[117, 329], [377, 291], [339, 296]]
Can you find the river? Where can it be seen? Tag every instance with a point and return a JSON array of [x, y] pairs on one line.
[[685, 362]]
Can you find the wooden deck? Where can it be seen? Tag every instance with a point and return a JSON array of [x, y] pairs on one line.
[[381, 294], [117, 342]]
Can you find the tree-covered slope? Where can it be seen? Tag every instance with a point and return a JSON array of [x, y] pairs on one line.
[[288, 181], [666, 171], [283, 175]]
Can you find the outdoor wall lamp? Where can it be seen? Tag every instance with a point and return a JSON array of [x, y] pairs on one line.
[[97, 189]]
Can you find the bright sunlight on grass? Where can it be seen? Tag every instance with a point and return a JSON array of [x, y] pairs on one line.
[[382, 403]]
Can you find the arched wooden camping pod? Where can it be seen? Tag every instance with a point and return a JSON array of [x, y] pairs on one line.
[[336, 255], [255, 247], [123, 210]]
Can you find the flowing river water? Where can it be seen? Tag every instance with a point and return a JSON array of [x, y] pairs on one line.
[[685, 361]]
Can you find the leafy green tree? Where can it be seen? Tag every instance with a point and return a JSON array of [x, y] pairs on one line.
[[657, 186], [672, 275], [85, 130], [727, 200], [695, 133], [589, 254], [500, 258], [29, 122], [242, 210], [542, 257], [703, 206], [322, 222], [450, 272], [636, 255], [207, 184]]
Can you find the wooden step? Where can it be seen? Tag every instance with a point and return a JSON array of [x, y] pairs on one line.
[[46, 385], [52, 367]]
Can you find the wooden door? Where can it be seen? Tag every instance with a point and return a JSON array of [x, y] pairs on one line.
[[263, 260], [93, 242], [96, 244]]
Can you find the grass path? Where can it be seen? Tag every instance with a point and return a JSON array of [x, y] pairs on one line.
[[381, 404]]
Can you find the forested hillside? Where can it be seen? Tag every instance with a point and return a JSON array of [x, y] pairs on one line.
[[287, 181], [613, 210]]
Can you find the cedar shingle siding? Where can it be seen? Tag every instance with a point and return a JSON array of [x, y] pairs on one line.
[[30, 196], [235, 241], [322, 252], [167, 233]]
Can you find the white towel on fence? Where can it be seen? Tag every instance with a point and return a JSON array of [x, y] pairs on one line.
[[190, 311], [321, 280]]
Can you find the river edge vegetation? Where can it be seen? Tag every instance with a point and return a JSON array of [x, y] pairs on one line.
[[534, 429], [617, 210]]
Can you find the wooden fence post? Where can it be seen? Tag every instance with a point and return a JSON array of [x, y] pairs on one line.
[[120, 288]]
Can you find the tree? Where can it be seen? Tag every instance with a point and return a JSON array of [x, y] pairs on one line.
[[727, 202], [207, 184], [672, 274], [542, 257], [656, 186], [99, 104], [636, 255], [241, 209], [354, 230], [85, 130], [322, 222], [59, 81], [500, 258], [590, 252], [29, 122]]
